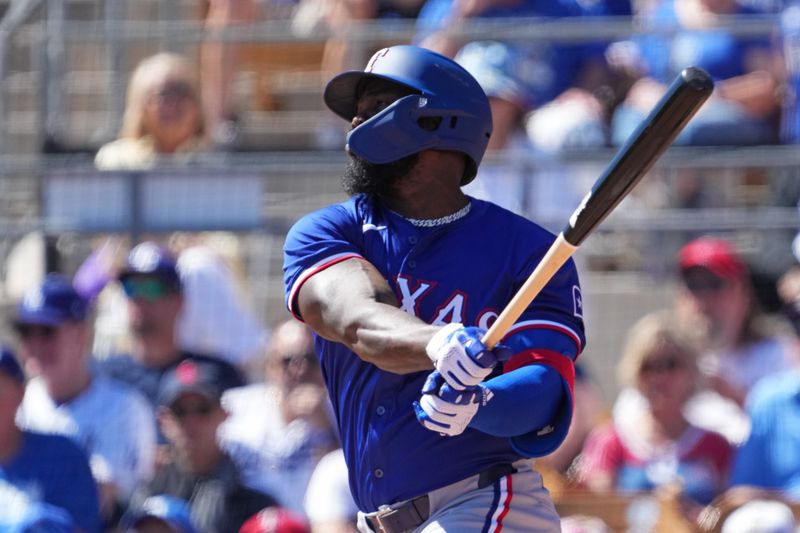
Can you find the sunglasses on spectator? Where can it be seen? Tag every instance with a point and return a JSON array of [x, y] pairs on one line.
[[182, 411], [29, 331], [173, 92], [295, 359], [705, 283], [146, 288], [663, 364]]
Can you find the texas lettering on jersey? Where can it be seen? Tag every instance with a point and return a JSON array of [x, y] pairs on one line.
[[411, 293]]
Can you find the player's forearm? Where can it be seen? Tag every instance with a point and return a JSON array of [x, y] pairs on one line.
[[524, 400], [352, 304], [387, 337], [375, 330]]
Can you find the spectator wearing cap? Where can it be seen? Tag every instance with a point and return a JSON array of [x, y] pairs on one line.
[[213, 320], [38, 469], [155, 298], [195, 467], [737, 344], [716, 300], [278, 430], [153, 287], [111, 422]]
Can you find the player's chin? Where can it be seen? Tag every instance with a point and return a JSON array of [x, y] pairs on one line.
[[363, 177]]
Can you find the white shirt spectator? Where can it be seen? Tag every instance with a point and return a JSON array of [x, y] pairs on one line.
[[273, 456], [328, 499], [112, 422], [214, 319], [745, 366]]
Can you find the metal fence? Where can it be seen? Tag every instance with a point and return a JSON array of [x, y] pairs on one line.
[[627, 266]]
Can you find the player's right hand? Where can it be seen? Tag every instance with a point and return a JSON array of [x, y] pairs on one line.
[[445, 410], [460, 356]]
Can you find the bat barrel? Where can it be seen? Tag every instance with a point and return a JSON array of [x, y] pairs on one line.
[[683, 98]]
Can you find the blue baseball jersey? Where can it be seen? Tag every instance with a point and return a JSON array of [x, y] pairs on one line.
[[465, 271]]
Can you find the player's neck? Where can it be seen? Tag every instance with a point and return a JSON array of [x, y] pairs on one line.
[[427, 194], [427, 206]]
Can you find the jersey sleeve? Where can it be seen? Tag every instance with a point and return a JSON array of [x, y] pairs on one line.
[[554, 320], [316, 242], [550, 332]]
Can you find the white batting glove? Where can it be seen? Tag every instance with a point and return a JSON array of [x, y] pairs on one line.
[[445, 410], [461, 358]]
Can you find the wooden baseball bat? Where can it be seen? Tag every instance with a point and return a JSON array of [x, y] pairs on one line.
[[684, 97]]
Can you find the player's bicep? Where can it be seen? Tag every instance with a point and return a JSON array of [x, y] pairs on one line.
[[333, 300]]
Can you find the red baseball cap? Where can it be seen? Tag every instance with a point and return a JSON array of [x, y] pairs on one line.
[[716, 255], [275, 520]]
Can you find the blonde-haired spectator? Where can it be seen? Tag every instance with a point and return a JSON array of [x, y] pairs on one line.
[[656, 333], [658, 446], [163, 115]]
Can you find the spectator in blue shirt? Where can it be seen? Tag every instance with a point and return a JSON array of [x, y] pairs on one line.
[[519, 76], [770, 457], [37, 468], [745, 105]]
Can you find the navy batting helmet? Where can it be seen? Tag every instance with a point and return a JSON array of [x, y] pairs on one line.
[[443, 90]]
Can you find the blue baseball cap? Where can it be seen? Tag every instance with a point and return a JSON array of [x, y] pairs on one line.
[[10, 366], [51, 303], [150, 259], [169, 509], [202, 375]]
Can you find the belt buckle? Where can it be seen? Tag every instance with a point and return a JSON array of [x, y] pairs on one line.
[[384, 512]]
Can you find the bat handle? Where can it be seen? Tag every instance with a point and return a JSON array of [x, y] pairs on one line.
[[558, 254]]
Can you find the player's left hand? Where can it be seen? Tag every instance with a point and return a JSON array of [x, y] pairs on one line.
[[446, 410], [460, 356]]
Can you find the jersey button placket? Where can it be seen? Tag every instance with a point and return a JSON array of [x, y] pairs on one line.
[[380, 410], [378, 473], [411, 263]]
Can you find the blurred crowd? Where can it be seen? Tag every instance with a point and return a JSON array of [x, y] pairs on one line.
[[188, 437], [142, 394], [156, 435], [550, 95]]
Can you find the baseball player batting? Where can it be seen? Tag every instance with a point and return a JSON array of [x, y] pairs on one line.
[[400, 282]]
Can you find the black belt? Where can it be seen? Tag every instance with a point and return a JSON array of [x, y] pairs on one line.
[[410, 514]]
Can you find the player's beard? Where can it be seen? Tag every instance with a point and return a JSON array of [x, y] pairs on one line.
[[361, 176]]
